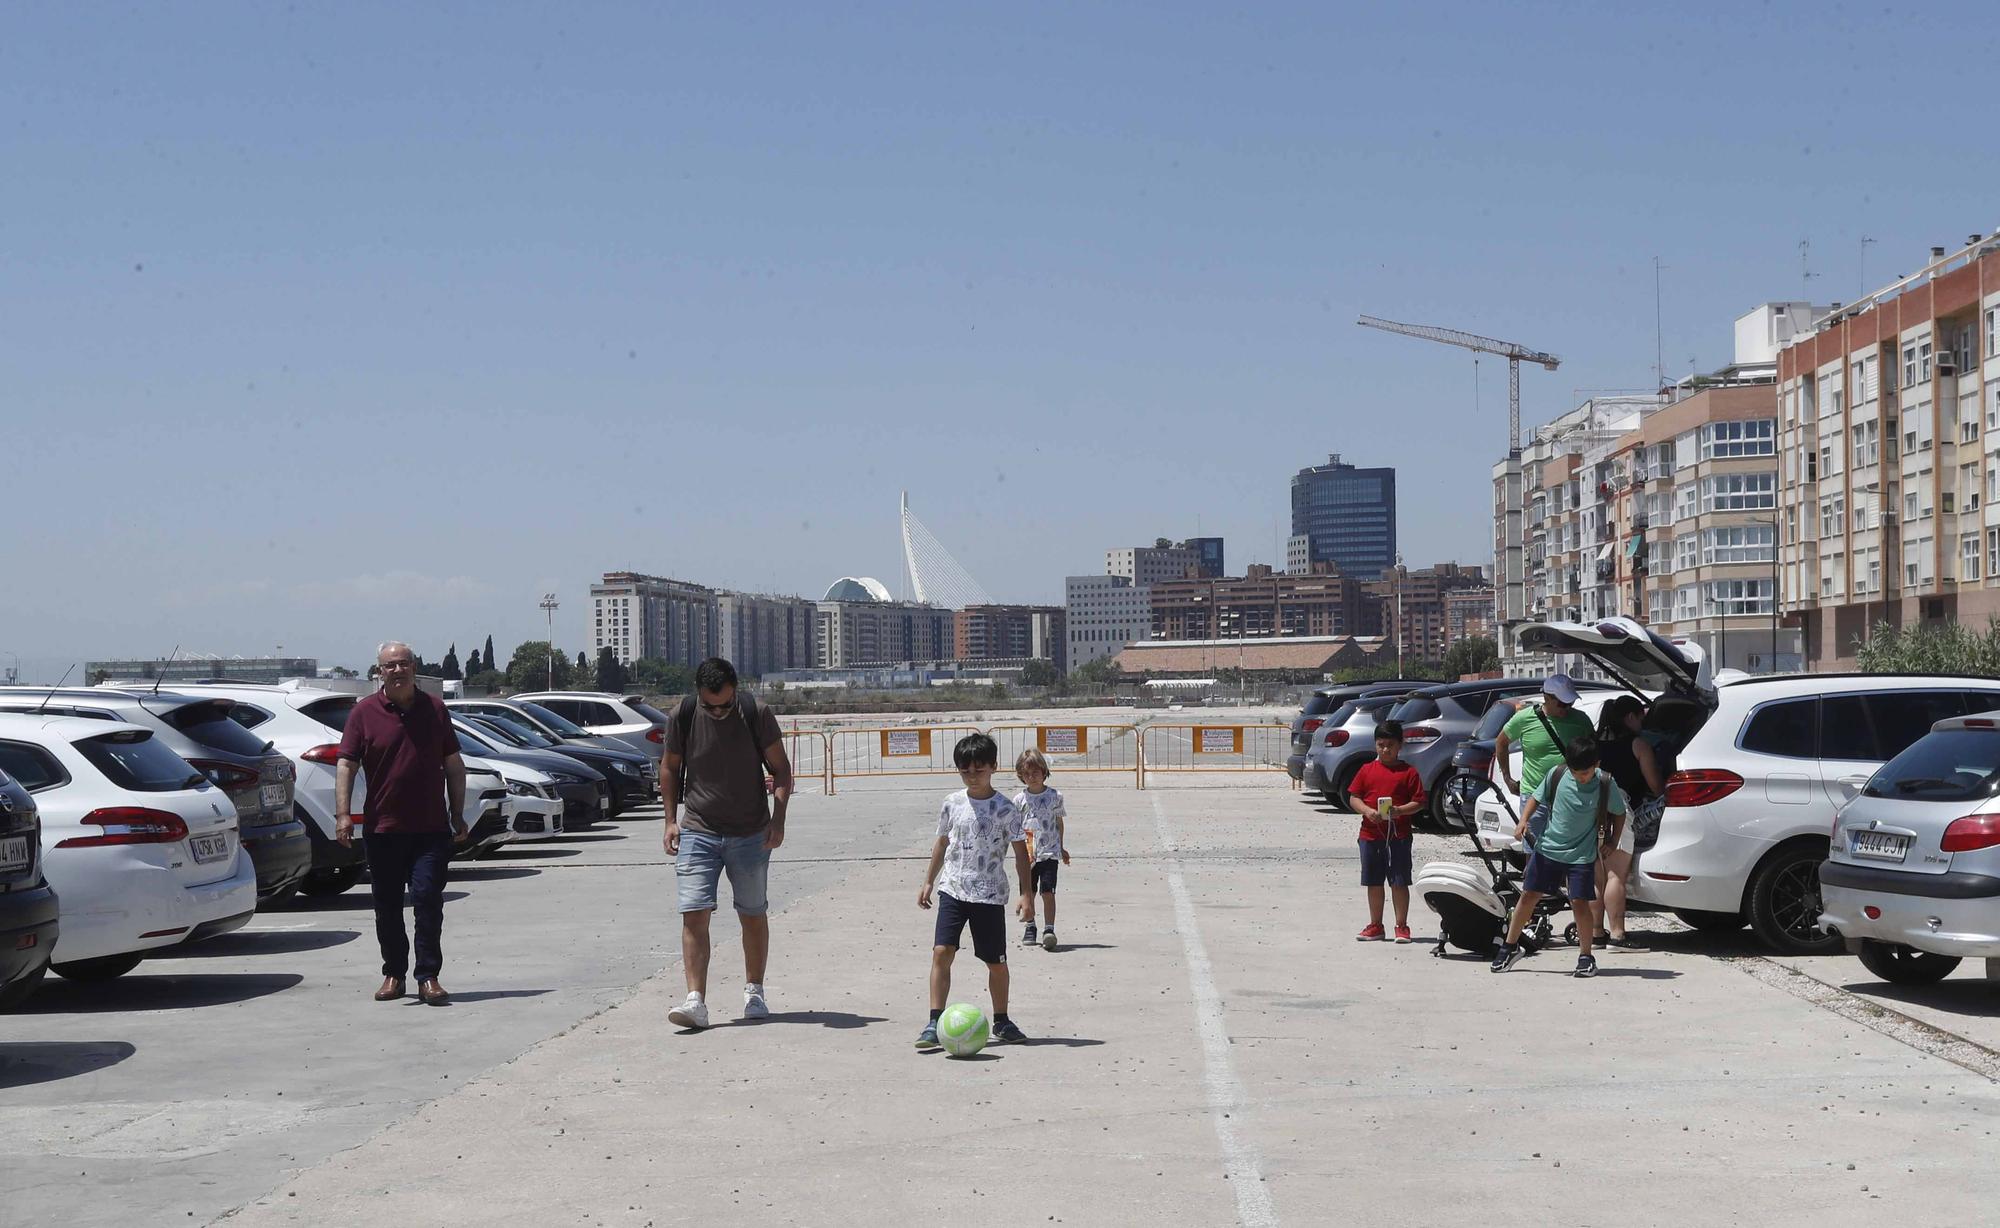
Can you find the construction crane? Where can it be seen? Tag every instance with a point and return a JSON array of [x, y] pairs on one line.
[[1511, 606], [1514, 353]]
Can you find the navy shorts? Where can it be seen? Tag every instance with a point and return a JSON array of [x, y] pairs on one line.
[[1043, 875], [1546, 877], [988, 922], [1385, 859]]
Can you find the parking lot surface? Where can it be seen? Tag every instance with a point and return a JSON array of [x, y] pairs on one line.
[[1210, 1046]]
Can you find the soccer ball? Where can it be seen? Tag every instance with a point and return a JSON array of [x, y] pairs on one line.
[[962, 1029]]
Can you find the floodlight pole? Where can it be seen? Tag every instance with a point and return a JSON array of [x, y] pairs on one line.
[[549, 604]]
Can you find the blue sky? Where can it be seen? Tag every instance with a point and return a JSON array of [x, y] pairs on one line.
[[325, 326]]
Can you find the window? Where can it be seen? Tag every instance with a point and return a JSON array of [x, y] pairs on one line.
[[1687, 605], [208, 724], [1729, 597], [1958, 765], [1845, 730], [1924, 361], [1865, 375], [31, 766], [1968, 487], [1828, 462], [1910, 507], [1993, 408], [1968, 557], [1909, 364], [1868, 570], [1993, 552], [1756, 437], [1993, 332], [1658, 610], [1867, 443], [1686, 498], [1832, 515], [1901, 717], [1684, 552], [1739, 492], [1749, 543], [131, 759], [1789, 730], [1833, 575], [1836, 402]]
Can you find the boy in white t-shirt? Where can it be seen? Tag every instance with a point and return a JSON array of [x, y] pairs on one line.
[[977, 826], [1042, 808]]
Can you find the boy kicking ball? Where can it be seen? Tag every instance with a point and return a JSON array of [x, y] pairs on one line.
[[1042, 807], [968, 868]]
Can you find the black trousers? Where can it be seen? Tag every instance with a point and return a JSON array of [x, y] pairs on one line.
[[415, 860]]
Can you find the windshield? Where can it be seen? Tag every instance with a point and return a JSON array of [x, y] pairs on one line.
[[1495, 720], [1317, 704], [516, 732], [1415, 708], [1341, 715], [133, 760], [649, 712], [469, 745], [1951, 765], [555, 720], [210, 725]]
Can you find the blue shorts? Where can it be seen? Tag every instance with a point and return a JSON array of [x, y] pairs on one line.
[[988, 923], [702, 859], [1546, 877], [1385, 859]]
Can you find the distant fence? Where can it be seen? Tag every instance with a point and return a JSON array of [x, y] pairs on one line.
[[926, 750], [1215, 747], [810, 755]]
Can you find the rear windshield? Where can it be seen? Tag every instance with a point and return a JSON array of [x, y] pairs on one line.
[[555, 720], [649, 712], [211, 725], [1341, 715], [1316, 705], [1952, 765], [1494, 721], [133, 760], [1415, 708], [332, 712]]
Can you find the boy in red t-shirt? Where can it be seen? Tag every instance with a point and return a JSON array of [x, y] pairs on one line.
[[1385, 793]]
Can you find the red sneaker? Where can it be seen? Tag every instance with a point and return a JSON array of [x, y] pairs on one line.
[[1402, 933], [1373, 933]]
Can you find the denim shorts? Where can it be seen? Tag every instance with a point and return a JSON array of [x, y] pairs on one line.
[[1546, 877], [1385, 859], [703, 858]]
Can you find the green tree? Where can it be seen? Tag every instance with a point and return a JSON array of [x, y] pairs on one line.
[[450, 670], [611, 672], [486, 681], [1101, 672], [1475, 655], [997, 691], [473, 665], [657, 677], [1931, 648], [582, 674], [341, 671], [1039, 672], [529, 668], [488, 659]]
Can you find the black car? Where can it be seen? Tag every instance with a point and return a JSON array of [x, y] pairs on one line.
[[623, 770], [28, 910], [257, 778], [585, 794], [559, 729]]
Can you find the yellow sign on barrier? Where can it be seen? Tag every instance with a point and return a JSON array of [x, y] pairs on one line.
[[1063, 739], [1218, 740], [903, 743]]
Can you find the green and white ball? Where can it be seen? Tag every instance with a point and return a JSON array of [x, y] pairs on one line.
[[962, 1029]]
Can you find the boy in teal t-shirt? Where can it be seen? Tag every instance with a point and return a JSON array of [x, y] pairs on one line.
[[1586, 809]]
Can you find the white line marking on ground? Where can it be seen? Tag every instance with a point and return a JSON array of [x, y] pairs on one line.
[[1225, 1092]]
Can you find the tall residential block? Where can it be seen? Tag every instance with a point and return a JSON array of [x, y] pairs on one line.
[[761, 634], [1345, 516], [1009, 632], [1414, 609], [651, 616], [1103, 614], [1263, 603]]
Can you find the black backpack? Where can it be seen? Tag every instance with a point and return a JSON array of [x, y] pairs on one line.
[[746, 707]]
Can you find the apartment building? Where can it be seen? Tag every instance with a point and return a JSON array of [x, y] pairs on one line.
[[1413, 605], [1010, 632], [1889, 435], [1264, 603], [761, 634], [1148, 565], [1102, 614], [639, 616], [1469, 613], [852, 633]]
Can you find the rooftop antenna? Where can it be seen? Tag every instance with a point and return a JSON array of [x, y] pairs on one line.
[[164, 668], [1865, 241], [1806, 274], [57, 687], [1659, 332]]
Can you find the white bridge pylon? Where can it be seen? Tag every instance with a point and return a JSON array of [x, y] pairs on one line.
[[935, 576]]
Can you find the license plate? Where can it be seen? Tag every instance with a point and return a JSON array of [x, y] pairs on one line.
[[13, 854], [273, 797], [1489, 822], [209, 848], [1880, 845]]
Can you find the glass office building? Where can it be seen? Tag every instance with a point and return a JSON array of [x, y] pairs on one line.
[[1345, 516]]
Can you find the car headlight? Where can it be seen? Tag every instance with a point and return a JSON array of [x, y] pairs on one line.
[[567, 778], [624, 768]]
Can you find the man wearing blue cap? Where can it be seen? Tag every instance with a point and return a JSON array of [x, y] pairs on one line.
[[1541, 733]]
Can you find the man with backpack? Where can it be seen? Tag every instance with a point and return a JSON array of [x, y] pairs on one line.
[[1582, 802], [719, 744]]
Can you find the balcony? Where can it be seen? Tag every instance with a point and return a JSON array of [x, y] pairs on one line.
[[1641, 521], [1607, 569]]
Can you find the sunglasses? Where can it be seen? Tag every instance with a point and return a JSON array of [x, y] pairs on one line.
[[718, 709]]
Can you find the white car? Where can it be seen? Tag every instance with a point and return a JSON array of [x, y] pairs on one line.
[[141, 848], [534, 810], [1762, 766], [629, 718]]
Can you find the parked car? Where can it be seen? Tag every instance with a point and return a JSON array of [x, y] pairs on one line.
[[583, 791], [29, 911], [557, 727], [1322, 703], [624, 771], [1435, 720], [257, 778], [490, 813], [1345, 740], [1763, 764], [1912, 881], [1489, 818], [141, 847], [629, 718]]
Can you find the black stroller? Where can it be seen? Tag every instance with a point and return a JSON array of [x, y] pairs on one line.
[[1473, 910]]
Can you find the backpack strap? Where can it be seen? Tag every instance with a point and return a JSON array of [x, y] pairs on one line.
[[684, 726]]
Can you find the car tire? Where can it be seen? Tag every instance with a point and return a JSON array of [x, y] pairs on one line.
[[103, 968], [1901, 965], [1434, 808], [1337, 795], [20, 991], [1710, 922], [1784, 902], [330, 880]]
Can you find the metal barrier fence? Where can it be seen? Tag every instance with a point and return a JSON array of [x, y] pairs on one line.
[[811, 756], [902, 750], [1215, 748], [1073, 748]]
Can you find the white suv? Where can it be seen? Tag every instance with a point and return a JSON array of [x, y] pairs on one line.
[[1762, 764], [629, 718]]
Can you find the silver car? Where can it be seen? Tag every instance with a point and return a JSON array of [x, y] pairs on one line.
[[1912, 882]]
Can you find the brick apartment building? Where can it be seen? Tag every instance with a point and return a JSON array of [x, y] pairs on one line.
[[1263, 603], [1010, 632], [1413, 608]]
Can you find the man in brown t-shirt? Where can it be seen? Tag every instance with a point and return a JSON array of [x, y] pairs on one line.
[[731, 824], [401, 739]]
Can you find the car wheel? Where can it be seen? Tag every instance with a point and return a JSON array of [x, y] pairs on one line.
[[1434, 808], [1785, 905], [1901, 965], [103, 968], [1345, 781], [21, 990], [1710, 922], [331, 880]]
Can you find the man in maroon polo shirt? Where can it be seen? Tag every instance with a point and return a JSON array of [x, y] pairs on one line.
[[402, 740]]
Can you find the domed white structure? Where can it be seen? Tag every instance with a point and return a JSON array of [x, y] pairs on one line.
[[857, 588]]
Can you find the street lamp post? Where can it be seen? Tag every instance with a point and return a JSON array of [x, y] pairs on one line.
[[1400, 574], [549, 604]]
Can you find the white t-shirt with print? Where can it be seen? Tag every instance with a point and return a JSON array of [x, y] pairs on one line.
[[1041, 811], [978, 835]]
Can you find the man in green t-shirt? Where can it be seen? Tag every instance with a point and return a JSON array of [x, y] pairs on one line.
[[1541, 736]]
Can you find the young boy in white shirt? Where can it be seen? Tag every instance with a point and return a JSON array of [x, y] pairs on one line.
[[1042, 807], [968, 868]]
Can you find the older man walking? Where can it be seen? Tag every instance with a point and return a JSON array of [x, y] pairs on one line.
[[726, 741], [401, 739]]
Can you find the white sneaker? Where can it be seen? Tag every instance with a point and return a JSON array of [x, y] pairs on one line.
[[1048, 940], [692, 1013], [754, 1006]]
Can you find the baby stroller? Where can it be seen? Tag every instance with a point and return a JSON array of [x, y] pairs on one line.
[[1473, 909]]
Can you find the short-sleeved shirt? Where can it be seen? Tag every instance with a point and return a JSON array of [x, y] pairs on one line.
[[725, 771], [1571, 833], [402, 754], [1376, 779], [1539, 752], [1041, 813], [978, 833]]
